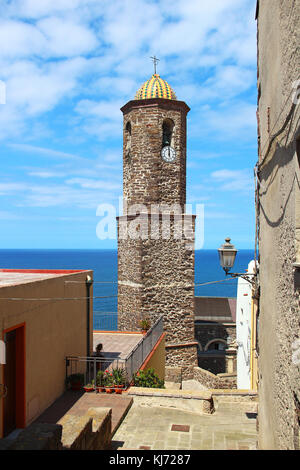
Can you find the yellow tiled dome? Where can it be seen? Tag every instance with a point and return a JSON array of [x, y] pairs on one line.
[[156, 87]]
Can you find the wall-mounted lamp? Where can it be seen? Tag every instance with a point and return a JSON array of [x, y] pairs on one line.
[[227, 254]]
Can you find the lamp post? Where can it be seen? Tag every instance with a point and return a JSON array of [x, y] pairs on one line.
[[227, 255]]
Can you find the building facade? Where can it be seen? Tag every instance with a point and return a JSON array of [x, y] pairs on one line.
[[44, 317], [155, 236], [246, 333], [215, 332], [278, 210]]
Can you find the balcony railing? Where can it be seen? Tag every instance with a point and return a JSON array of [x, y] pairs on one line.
[[88, 367], [105, 321]]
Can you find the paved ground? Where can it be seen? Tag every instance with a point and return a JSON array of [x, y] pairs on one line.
[[231, 427], [78, 403], [116, 345]]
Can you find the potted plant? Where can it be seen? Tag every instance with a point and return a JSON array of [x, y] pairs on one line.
[[108, 382], [100, 381], [119, 379], [145, 325], [75, 381], [89, 387]]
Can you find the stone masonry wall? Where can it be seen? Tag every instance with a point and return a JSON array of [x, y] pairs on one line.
[[90, 431], [159, 281], [279, 226], [147, 179], [156, 267]]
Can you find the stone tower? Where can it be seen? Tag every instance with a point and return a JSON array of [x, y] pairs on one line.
[[155, 237]]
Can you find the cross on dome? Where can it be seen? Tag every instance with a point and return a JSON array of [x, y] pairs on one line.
[[154, 60], [155, 87]]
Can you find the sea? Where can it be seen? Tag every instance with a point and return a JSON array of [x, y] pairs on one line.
[[104, 264]]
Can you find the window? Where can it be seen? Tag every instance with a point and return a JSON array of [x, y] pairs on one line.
[[128, 142], [168, 127], [217, 345]]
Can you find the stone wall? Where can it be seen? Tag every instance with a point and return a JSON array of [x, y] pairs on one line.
[[184, 355], [156, 250], [38, 436], [91, 431], [199, 401], [173, 374], [279, 222], [214, 363], [204, 377], [147, 179], [156, 277]]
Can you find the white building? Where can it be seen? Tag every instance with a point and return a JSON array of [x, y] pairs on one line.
[[243, 331]]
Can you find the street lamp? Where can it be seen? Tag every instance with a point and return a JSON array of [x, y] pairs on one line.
[[227, 254]]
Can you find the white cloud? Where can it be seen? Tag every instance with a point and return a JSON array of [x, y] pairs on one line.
[[117, 39], [60, 195], [66, 38], [94, 184], [233, 180], [44, 152], [86, 58], [19, 39]]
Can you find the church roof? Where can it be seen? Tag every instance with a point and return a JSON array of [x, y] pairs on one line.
[[155, 87]]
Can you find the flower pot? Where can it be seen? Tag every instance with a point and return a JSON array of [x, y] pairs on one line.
[[101, 389], [118, 390], [88, 389], [109, 390]]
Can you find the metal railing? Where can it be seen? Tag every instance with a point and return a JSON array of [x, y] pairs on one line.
[[88, 367], [139, 354], [105, 321]]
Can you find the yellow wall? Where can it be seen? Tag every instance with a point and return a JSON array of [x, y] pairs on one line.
[[157, 359], [54, 330], [254, 357]]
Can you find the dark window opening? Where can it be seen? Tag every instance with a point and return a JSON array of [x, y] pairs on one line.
[[168, 127], [128, 142]]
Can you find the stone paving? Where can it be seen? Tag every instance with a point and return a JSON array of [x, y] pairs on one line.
[[231, 427]]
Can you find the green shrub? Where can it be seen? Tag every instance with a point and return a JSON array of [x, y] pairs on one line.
[[147, 379]]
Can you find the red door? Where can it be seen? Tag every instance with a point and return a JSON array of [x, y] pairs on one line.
[[10, 383], [14, 380]]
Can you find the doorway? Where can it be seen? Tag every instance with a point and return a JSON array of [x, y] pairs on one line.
[[14, 380]]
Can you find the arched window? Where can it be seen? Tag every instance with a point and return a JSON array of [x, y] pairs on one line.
[[168, 127], [218, 345]]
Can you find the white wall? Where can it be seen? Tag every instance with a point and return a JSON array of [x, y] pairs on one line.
[[243, 330]]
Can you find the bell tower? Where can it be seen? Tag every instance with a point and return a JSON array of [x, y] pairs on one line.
[[155, 236]]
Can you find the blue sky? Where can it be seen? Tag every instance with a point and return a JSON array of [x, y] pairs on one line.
[[69, 66]]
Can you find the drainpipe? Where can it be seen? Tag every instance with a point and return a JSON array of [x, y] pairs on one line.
[[89, 282]]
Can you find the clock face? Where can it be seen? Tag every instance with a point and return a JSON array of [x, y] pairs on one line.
[[168, 154]]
